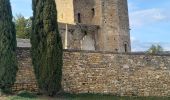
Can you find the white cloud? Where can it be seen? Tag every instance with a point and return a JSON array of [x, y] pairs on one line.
[[140, 18], [132, 6]]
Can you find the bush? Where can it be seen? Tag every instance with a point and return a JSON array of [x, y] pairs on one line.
[[26, 94]]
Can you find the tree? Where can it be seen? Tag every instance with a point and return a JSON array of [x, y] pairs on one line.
[[23, 26], [8, 63], [155, 49], [46, 46]]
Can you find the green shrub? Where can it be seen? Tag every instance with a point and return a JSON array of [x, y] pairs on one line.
[[26, 94]]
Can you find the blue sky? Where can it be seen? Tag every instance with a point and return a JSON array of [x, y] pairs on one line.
[[149, 21]]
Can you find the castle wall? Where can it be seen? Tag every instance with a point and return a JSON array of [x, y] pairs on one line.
[[79, 37], [124, 28], [110, 15], [109, 39], [65, 11], [84, 8], [105, 72], [114, 26]]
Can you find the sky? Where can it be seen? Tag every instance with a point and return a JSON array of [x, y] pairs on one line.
[[149, 21]]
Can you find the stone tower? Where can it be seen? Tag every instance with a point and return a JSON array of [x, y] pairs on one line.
[[110, 17]]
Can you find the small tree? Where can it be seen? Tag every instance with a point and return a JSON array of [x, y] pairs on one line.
[[155, 49], [23, 26], [46, 46], [8, 65]]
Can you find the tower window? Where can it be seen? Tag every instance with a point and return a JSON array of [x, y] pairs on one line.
[[79, 18], [125, 46], [93, 11]]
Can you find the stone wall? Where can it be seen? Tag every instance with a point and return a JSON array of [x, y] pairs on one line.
[[25, 79], [106, 72], [124, 28], [86, 10], [65, 11], [118, 74], [111, 16], [79, 36], [114, 26]]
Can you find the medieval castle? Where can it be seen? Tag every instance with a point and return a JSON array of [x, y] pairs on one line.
[[97, 26], [101, 25]]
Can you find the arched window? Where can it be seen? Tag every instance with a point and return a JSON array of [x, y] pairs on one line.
[[125, 46]]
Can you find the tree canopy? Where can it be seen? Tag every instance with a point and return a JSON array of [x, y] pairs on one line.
[[155, 49], [23, 26]]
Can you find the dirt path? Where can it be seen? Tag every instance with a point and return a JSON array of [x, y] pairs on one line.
[[3, 98], [39, 98]]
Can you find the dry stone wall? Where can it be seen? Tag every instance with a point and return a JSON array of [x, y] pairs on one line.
[[106, 73], [25, 79]]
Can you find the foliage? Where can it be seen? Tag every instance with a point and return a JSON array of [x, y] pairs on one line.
[[26, 94], [8, 63], [155, 49], [22, 98], [23, 26], [46, 46]]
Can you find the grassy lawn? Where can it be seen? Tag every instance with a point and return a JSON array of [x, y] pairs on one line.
[[83, 97]]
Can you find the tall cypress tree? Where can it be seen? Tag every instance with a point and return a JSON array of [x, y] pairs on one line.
[[8, 63], [46, 46]]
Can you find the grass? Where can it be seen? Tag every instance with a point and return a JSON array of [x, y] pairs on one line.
[[28, 96], [21, 98], [24, 95], [109, 97]]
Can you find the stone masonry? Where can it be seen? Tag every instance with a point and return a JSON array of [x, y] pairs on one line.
[[109, 16], [79, 37], [105, 73], [25, 79]]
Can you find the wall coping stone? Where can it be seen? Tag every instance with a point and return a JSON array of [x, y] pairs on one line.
[[103, 52]]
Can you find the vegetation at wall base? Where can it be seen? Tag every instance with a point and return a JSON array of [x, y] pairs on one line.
[[46, 47], [90, 96], [26, 94], [8, 62], [87, 97]]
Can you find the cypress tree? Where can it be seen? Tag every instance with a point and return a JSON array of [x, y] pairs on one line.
[[46, 46], [8, 63]]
